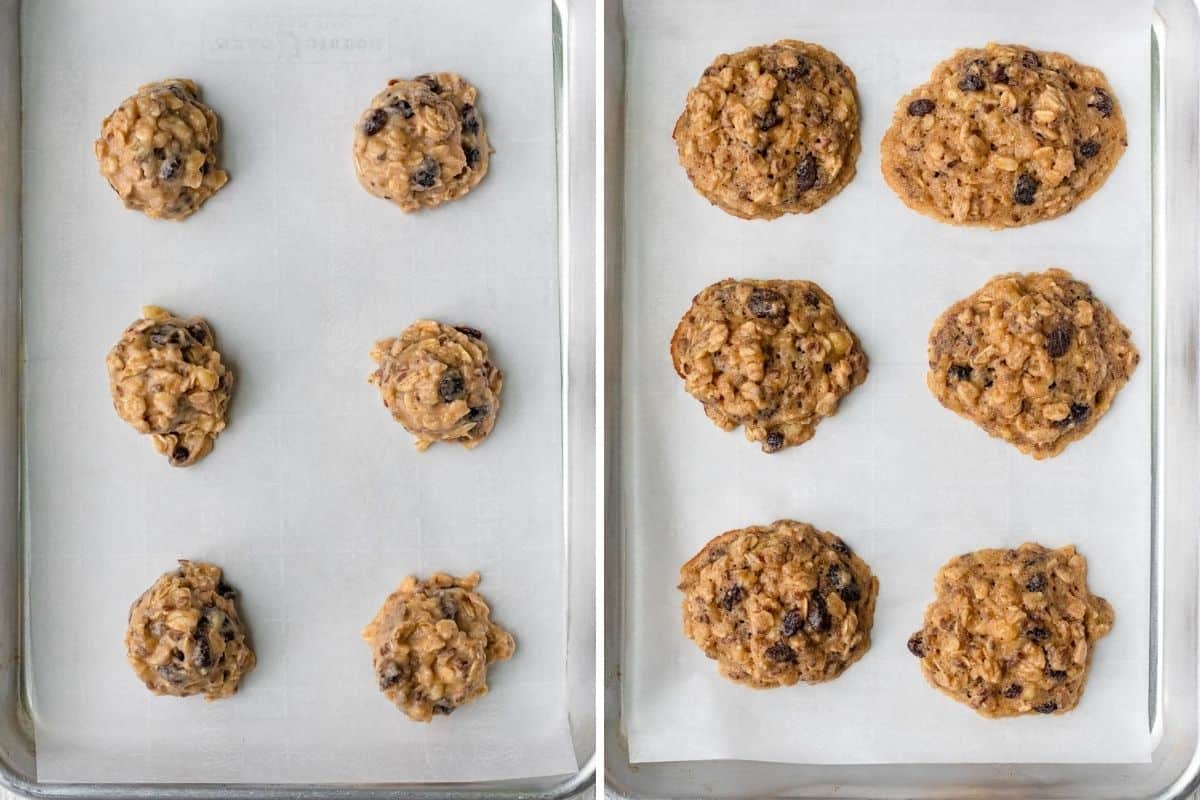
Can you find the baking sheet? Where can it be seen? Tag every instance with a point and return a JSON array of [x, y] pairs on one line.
[[905, 482], [313, 500]]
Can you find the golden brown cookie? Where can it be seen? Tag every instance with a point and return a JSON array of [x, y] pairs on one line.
[[432, 643], [1034, 359], [780, 603], [421, 143], [439, 383], [158, 150], [1003, 136], [166, 379], [1012, 631], [772, 355], [185, 636], [771, 130]]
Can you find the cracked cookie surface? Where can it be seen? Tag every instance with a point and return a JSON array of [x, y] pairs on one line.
[[1003, 136], [1034, 359], [167, 380], [772, 355], [439, 382], [157, 150], [777, 604], [432, 643], [771, 130], [421, 142], [185, 636], [1012, 631]]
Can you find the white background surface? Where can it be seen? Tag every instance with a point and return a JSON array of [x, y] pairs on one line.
[[905, 482], [313, 500]]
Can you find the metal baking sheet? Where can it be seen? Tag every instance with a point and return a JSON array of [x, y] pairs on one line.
[[313, 500], [1165, 529]]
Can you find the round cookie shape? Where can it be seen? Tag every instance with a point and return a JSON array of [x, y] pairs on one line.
[[772, 355], [158, 150], [421, 142], [439, 382], [185, 636], [780, 603], [1012, 631], [166, 379], [771, 130], [1034, 359], [432, 643], [1003, 136]]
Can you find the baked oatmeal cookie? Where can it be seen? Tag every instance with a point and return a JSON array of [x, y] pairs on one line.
[[439, 383], [421, 143], [185, 636], [1003, 136], [1034, 359], [166, 379], [158, 150], [1011, 631], [771, 130], [780, 603], [432, 643], [772, 355]]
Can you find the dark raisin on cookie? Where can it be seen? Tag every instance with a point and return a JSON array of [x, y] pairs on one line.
[[916, 645], [768, 120], [780, 652], [1013, 691], [451, 386], [1038, 634], [1089, 149], [1030, 59], [960, 372], [429, 81], [971, 82], [797, 72], [732, 596], [806, 174], [1058, 340], [774, 442], [466, 330], [921, 107], [818, 613], [1076, 415], [472, 154], [426, 174], [1025, 190], [1036, 584], [767, 304], [1048, 707], [1001, 74], [1101, 101], [403, 108], [374, 122], [791, 623], [470, 119]]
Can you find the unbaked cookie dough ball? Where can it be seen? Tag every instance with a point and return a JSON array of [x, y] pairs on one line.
[[432, 643], [167, 380], [185, 636], [439, 382], [157, 150], [421, 143]]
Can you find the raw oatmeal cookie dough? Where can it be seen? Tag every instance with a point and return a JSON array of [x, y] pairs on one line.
[[185, 636], [421, 143], [166, 379], [772, 355], [439, 383], [1011, 631], [157, 150], [431, 645], [771, 130], [780, 603], [1034, 359], [1003, 136]]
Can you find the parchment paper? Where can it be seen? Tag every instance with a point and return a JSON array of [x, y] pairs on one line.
[[907, 483], [313, 500]]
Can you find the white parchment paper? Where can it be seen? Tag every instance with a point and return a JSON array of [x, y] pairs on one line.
[[314, 501], [907, 483]]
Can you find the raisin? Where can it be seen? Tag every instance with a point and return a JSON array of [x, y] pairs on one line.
[[180, 454], [1001, 74], [779, 651], [443, 707], [797, 72], [916, 645], [1077, 414], [1089, 149], [199, 333], [202, 656], [225, 590], [472, 154], [170, 168], [1025, 189], [850, 593], [1013, 691], [971, 83], [769, 120], [767, 303], [403, 108], [470, 120], [818, 613], [1038, 634], [477, 413], [1036, 584], [429, 81], [1058, 341], [165, 334], [389, 675], [1048, 707], [451, 386], [1030, 59], [172, 673], [774, 442], [919, 108], [959, 372], [427, 173], [806, 174], [466, 330], [448, 606], [1056, 674], [841, 547], [732, 596], [791, 623], [374, 122], [1102, 103], [812, 298]]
